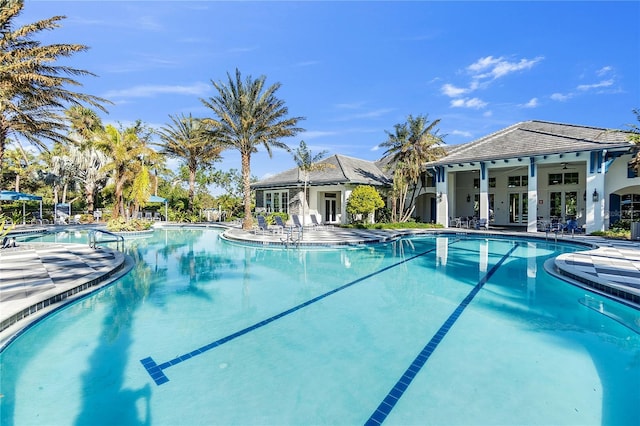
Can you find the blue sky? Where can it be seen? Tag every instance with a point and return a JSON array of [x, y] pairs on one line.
[[355, 69]]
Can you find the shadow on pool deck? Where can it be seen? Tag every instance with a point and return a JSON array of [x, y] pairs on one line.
[[36, 278]]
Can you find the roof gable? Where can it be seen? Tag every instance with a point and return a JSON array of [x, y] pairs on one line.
[[340, 169], [532, 138]]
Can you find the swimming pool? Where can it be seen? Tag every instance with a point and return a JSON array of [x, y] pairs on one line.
[[425, 330]]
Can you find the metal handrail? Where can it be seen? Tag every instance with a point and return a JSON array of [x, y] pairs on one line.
[[94, 241]]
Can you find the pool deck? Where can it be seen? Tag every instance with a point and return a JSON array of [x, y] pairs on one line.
[[36, 278]]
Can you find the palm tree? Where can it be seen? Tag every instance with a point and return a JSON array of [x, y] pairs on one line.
[[308, 162], [126, 149], [89, 170], [187, 139], [33, 90], [410, 146], [85, 130], [248, 115], [85, 126]]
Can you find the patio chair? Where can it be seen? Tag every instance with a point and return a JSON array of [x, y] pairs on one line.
[[279, 222], [572, 227], [482, 224], [263, 227], [316, 224], [8, 242], [298, 224]]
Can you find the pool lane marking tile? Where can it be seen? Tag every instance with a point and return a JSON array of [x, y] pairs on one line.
[[156, 370], [389, 402]]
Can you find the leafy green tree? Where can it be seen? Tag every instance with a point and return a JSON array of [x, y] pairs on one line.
[[409, 147], [249, 115], [634, 136], [230, 181], [20, 163], [308, 162], [364, 200], [33, 89], [187, 139]]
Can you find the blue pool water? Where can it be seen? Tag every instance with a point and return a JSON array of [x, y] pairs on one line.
[[425, 330]]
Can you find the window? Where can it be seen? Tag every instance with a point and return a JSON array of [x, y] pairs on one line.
[[492, 182], [555, 178], [476, 183], [630, 207], [632, 172], [571, 178], [276, 201], [515, 181], [555, 204], [570, 204]]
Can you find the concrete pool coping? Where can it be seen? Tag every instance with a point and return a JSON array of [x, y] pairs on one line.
[[38, 278]]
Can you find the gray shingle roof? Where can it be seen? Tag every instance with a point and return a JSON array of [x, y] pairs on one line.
[[342, 170], [530, 138]]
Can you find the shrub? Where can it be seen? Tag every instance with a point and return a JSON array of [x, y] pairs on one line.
[[271, 218], [363, 201], [122, 225]]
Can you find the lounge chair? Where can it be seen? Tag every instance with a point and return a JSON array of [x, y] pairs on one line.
[[297, 223], [8, 242], [316, 224], [264, 227], [279, 222]]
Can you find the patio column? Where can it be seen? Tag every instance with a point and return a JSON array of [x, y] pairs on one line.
[[595, 192], [343, 206], [444, 187], [484, 192], [532, 198]]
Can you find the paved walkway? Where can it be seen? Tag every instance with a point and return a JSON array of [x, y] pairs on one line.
[[38, 277]]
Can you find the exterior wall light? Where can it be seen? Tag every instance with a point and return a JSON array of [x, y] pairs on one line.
[[468, 198], [596, 196]]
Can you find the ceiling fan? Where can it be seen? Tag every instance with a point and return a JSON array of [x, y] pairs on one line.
[[565, 166]]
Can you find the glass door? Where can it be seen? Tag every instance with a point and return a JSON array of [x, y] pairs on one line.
[[330, 209], [518, 207]]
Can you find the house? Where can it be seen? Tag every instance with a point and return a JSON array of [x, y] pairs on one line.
[[535, 172], [327, 189], [526, 176]]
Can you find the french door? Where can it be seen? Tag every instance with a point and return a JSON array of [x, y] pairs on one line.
[[518, 207]]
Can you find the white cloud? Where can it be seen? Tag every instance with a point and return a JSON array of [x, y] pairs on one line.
[[604, 70], [313, 134], [487, 114], [604, 83], [453, 91], [474, 103], [490, 67], [560, 97], [462, 133], [533, 102], [153, 90]]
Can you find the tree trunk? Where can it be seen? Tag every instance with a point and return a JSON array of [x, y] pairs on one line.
[[192, 185], [246, 187]]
